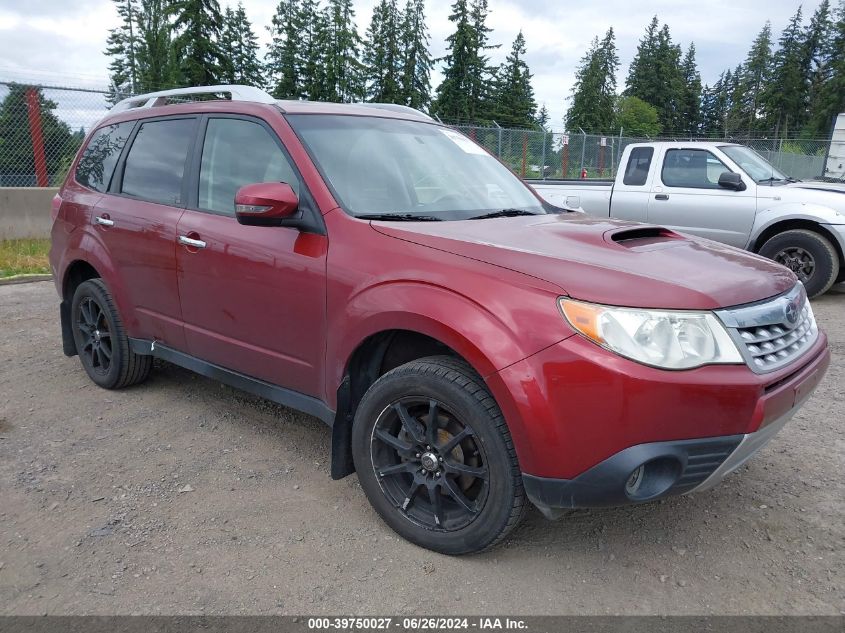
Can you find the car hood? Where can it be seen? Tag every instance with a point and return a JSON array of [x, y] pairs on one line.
[[608, 261], [826, 194]]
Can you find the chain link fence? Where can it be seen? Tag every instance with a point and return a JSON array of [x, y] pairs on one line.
[[560, 155], [42, 127]]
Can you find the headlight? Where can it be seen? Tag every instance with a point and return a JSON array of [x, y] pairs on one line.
[[662, 338]]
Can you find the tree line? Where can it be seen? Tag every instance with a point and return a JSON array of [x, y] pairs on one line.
[[792, 87], [316, 52]]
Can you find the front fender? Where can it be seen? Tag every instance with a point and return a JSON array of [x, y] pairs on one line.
[[792, 211]]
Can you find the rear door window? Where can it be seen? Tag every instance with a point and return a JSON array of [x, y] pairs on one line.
[[235, 153], [639, 162], [155, 165], [96, 166]]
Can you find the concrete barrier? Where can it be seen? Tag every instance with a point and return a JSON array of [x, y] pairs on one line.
[[25, 212]]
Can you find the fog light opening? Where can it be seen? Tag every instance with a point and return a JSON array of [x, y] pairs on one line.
[[652, 479]]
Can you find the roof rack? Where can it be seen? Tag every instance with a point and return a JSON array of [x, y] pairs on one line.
[[395, 107], [153, 99]]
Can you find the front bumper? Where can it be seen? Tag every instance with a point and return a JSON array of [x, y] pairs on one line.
[[668, 468]]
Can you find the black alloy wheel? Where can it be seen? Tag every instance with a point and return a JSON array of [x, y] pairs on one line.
[[435, 457], [429, 463]]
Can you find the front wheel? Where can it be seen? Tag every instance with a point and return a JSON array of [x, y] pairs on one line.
[[809, 255], [435, 458]]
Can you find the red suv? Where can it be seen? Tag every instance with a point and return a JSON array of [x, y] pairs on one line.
[[471, 347]]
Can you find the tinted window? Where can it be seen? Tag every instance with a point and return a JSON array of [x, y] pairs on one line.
[[156, 161], [96, 166], [695, 168], [237, 153], [636, 173]]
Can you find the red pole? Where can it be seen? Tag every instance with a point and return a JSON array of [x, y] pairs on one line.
[[472, 133], [33, 107], [565, 162], [524, 152]]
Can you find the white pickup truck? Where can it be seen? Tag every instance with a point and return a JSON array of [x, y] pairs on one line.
[[724, 192]]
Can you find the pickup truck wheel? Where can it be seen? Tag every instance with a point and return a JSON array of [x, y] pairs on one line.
[[101, 341], [809, 255], [435, 458]]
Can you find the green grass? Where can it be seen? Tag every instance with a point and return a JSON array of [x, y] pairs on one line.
[[23, 257]]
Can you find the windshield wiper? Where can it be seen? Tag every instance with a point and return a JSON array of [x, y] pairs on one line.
[[772, 179], [503, 213], [399, 217]]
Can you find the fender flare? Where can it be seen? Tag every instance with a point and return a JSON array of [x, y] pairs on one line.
[[819, 215]]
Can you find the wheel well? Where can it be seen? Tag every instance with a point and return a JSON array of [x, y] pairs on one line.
[[789, 225], [77, 272], [373, 358]]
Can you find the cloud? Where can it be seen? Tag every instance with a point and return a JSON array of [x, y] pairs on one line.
[[56, 41]]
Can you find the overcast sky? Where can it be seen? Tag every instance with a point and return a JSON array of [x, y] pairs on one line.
[[61, 41]]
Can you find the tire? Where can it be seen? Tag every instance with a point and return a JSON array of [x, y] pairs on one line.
[[462, 495], [101, 341], [809, 255]]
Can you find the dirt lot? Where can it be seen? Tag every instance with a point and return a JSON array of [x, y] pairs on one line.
[[185, 496]]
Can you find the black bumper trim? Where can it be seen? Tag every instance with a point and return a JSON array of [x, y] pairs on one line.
[[603, 485]]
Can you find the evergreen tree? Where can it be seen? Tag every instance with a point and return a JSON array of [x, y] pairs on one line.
[[283, 60], [643, 81], [464, 94], [382, 56], [753, 81], [344, 72], [155, 55], [819, 42], [515, 105], [594, 94], [831, 95], [415, 82], [715, 105], [121, 46], [239, 47], [197, 25], [690, 104], [542, 119], [786, 92], [313, 43]]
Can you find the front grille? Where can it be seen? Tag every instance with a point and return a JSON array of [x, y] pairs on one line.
[[773, 333]]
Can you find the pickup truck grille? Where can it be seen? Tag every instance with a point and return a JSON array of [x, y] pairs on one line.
[[773, 333]]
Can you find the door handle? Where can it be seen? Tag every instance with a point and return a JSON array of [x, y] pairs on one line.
[[184, 240], [104, 220], [661, 196]]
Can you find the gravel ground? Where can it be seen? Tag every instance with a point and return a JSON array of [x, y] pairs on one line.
[[185, 496]]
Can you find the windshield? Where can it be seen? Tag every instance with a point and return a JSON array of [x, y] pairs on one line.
[[391, 167], [754, 165]]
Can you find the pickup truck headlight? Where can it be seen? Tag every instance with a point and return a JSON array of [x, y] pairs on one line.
[[661, 338]]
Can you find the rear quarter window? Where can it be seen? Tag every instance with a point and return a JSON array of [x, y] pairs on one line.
[[96, 166], [639, 162]]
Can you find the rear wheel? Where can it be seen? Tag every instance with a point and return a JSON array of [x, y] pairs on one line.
[[101, 341], [809, 255], [435, 458]]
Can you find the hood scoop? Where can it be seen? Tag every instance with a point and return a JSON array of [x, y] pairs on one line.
[[644, 238]]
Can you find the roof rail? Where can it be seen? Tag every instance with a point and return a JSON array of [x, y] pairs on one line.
[[153, 99], [396, 107]]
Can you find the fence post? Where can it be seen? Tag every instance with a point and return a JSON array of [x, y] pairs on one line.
[[564, 160], [583, 148], [524, 151], [543, 162], [499, 130], [33, 107]]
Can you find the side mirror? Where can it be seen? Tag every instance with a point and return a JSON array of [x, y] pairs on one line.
[[731, 180], [266, 204]]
